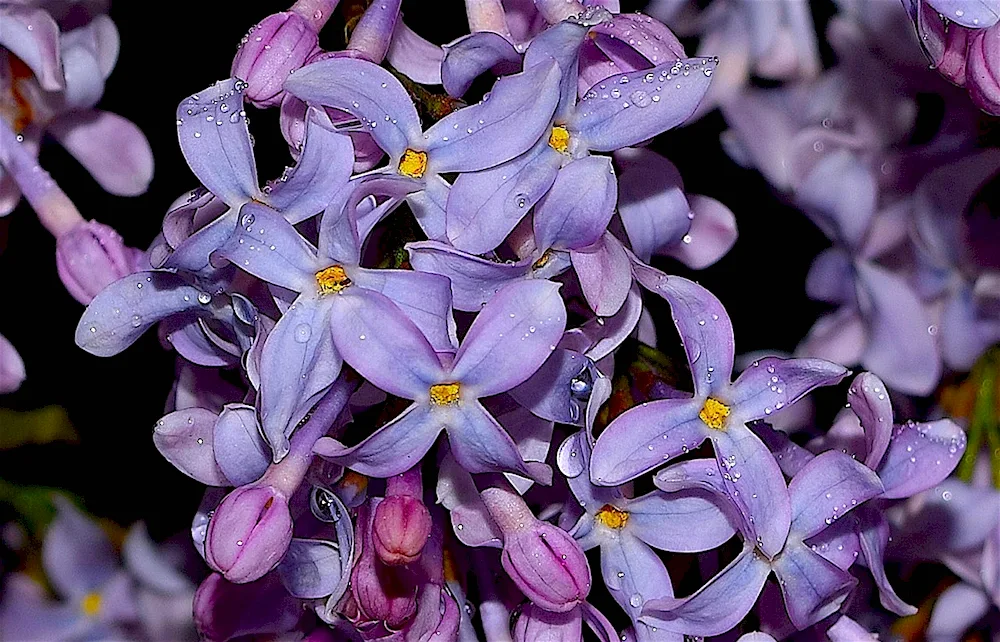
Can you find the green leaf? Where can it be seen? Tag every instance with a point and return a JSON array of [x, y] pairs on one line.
[[41, 426]]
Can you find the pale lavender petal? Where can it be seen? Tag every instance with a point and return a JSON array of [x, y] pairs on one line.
[[240, 449], [215, 141], [975, 14], [605, 274], [840, 337], [874, 537], [470, 56], [311, 568], [77, 556], [651, 201], [481, 445], [840, 194], [428, 207], [578, 207], [613, 115], [424, 298], [382, 344], [831, 277], [772, 384], [560, 42], [474, 280], [150, 565], [392, 449], [549, 392], [790, 456], [847, 630], [957, 609], [713, 233], [827, 488], [693, 473], [920, 456], [869, 400], [686, 521], [603, 335], [533, 436], [185, 439], [365, 90], [112, 148], [11, 367], [511, 338], [339, 237], [839, 542], [414, 57], [33, 36], [719, 605], [645, 437], [193, 254], [813, 588], [470, 519], [633, 574]]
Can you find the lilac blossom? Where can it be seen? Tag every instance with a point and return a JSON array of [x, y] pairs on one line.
[[12, 372]]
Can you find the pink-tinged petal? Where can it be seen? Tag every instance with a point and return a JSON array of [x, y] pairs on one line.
[[719, 605], [483, 207], [539, 625], [112, 148], [471, 56], [268, 247], [605, 274], [613, 115], [392, 449], [77, 556], [240, 449], [470, 519], [33, 36], [975, 14], [955, 611], [657, 42], [474, 280], [511, 338], [704, 326], [713, 233], [900, 349], [509, 121], [644, 437], [983, 70], [381, 343], [874, 537], [651, 201], [772, 384], [297, 365], [755, 484], [827, 488], [424, 298], [813, 588], [686, 521], [869, 400], [11, 367], [323, 168], [481, 445], [920, 456], [124, 310], [946, 47], [634, 574], [185, 439], [223, 610], [365, 90], [577, 209], [417, 59], [215, 141]]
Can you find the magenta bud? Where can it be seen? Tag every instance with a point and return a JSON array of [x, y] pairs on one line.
[[92, 256], [401, 528], [983, 69], [249, 533], [383, 593], [273, 48], [946, 46]]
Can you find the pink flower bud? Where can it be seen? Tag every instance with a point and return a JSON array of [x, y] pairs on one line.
[[383, 593], [402, 526], [275, 47], [223, 610], [249, 533], [983, 69], [92, 256], [538, 625], [945, 45]]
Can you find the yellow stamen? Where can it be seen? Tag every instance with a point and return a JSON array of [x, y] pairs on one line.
[[542, 261], [559, 139], [332, 279], [413, 163], [714, 414], [91, 604], [612, 517], [449, 570], [443, 394]]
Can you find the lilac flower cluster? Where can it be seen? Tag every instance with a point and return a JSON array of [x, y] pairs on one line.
[[320, 358]]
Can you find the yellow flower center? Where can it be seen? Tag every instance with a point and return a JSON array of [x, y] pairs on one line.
[[91, 604], [612, 517], [332, 279], [559, 139], [542, 261], [413, 163], [443, 394], [449, 570], [714, 414]]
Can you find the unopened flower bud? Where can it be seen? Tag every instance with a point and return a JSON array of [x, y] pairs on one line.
[[249, 533], [91, 256], [275, 47], [982, 72], [945, 46], [223, 611], [538, 625], [402, 526], [383, 593]]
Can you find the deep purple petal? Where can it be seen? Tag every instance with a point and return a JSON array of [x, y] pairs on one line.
[[240, 449], [481, 445], [772, 384], [920, 455], [474, 280], [813, 588], [312, 568], [470, 56], [827, 488], [577, 209], [185, 439], [687, 521], [874, 537], [112, 148], [605, 274]]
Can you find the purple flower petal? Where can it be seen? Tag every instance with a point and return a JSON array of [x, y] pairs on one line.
[[511, 338], [577, 209], [614, 114], [693, 473], [77, 556], [382, 344], [33, 36], [790, 456], [470, 56], [712, 234], [813, 588], [839, 542], [240, 449], [149, 565], [686, 521], [428, 207], [840, 194], [11, 367], [869, 400], [920, 456], [975, 14], [536, 624], [112, 148], [772, 384], [470, 519], [312, 568], [719, 605], [634, 574], [560, 42], [212, 130], [548, 393], [874, 537], [424, 298], [533, 437], [827, 488], [414, 57], [651, 201], [185, 439], [481, 445], [645, 437], [474, 280], [339, 238], [605, 274], [365, 90], [957, 609], [509, 121]]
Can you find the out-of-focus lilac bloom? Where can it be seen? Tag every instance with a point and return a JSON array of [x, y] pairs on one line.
[[825, 490], [163, 594], [510, 120], [626, 528], [90, 257], [510, 339], [223, 610], [646, 436], [11, 367]]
